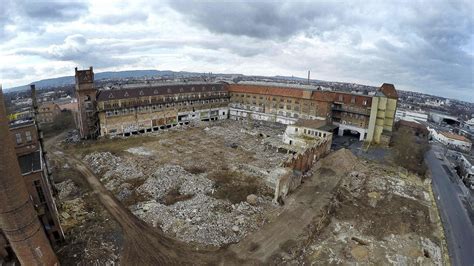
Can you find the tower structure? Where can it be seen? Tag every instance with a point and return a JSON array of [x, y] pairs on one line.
[[18, 218], [86, 94]]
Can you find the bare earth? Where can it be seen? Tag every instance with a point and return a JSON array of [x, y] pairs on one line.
[[346, 210]]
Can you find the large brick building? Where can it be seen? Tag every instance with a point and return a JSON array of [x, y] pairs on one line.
[[29, 224], [146, 108], [33, 169]]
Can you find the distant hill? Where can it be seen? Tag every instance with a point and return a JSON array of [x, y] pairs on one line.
[[69, 80]]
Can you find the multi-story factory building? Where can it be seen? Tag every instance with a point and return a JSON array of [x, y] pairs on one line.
[[35, 176], [29, 225], [371, 116], [147, 108]]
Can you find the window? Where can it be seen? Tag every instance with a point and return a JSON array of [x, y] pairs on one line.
[[39, 191], [18, 138], [364, 102], [28, 136], [353, 99], [341, 98]]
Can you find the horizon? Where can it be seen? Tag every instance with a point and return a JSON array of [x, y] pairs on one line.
[[429, 52], [6, 89]]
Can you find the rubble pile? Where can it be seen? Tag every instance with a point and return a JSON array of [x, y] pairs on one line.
[[201, 219], [169, 177], [380, 217], [72, 137], [114, 170], [140, 151], [67, 190], [204, 219], [251, 139], [342, 242]]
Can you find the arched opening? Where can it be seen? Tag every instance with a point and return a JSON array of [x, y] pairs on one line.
[[351, 134], [450, 121]]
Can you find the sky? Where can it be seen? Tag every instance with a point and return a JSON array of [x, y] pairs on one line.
[[424, 46]]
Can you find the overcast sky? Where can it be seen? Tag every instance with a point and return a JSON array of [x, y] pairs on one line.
[[425, 46]]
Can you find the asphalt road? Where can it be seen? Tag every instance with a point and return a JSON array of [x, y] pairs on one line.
[[457, 224]]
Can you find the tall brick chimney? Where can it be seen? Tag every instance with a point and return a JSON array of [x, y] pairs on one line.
[[18, 218]]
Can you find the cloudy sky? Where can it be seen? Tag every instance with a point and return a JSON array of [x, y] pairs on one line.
[[425, 46]]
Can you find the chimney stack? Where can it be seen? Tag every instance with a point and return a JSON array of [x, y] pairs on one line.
[[309, 74], [18, 218]]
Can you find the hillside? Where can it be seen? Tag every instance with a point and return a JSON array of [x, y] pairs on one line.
[[69, 80]]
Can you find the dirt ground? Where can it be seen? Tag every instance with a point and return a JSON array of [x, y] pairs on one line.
[[92, 236], [347, 210]]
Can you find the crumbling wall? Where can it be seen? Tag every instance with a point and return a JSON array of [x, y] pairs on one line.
[[299, 163]]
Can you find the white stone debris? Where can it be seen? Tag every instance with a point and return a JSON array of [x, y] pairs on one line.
[[139, 151], [113, 169], [67, 190], [203, 219]]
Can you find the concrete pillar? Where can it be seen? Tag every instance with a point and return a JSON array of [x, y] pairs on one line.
[[340, 131]]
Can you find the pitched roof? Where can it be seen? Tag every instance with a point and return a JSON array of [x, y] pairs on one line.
[[267, 90], [311, 123], [389, 90], [108, 95], [412, 124], [455, 136]]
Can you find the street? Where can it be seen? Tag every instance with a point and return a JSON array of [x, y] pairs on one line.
[[454, 215]]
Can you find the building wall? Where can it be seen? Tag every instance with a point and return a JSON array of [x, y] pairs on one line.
[[36, 182], [145, 114], [86, 94], [410, 116], [25, 138], [302, 136], [148, 108], [287, 105], [382, 117], [47, 112], [453, 143]]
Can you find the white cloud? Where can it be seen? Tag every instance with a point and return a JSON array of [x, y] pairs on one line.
[[415, 46]]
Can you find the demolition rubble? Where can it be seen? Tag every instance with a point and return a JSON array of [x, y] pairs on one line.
[[216, 185]]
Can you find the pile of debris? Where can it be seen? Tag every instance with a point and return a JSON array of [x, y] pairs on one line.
[[67, 190], [113, 169], [140, 151], [380, 217], [72, 136], [198, 217], [169, 177], [205, 220]]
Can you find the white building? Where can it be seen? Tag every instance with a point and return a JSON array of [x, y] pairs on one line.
[[403, 114], [470, 123], [451, 140], [305, 133]]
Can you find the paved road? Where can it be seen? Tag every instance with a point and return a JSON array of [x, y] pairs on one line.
[[457, 224]]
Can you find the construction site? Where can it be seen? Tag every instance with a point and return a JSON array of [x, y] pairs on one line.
[[214, 173], [213, 190]]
